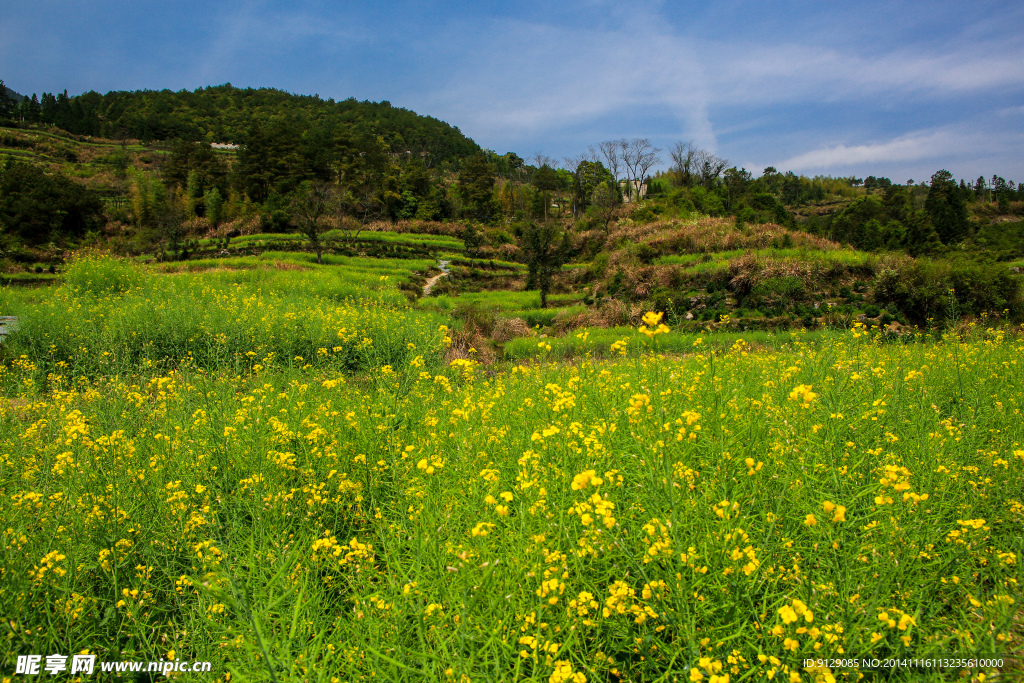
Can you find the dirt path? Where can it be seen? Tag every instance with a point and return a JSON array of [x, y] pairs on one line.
[[443, 265]]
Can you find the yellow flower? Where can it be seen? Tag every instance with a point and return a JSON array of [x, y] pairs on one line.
[[651, 319], [810, 520], [803, 394], [840, 515], [828, 506]]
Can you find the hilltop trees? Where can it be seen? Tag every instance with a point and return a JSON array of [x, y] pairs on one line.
[[638, 156], [226, 114], [588, 176], [476, 188], [545, 180], [6, 104], [946, 207]]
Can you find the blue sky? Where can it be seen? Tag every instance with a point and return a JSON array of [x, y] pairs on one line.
[[899, 89]]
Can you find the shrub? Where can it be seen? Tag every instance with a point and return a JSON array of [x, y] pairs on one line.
[[921, 289]]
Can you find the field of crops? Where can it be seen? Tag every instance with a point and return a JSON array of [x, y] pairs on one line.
[[290, 482]]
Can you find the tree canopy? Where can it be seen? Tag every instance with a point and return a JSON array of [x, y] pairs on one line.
[[38, 207]]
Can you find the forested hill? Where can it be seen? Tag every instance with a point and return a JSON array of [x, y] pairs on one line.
[[224, 113]]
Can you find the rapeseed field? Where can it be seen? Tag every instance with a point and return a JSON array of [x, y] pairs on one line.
[[289, 505]]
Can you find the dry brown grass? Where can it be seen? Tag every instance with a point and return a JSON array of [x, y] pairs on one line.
[[506, 329], [608, 312], [464, 341], [717, 234]]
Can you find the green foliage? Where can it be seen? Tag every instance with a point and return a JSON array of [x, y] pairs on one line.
[[225, 113], [920, 289], [703, 201], [947, 208], [547, 247], [38, 207], [214, 204], [1004, 239], [588, 177], [648, 213], [766, 208], [476, 187]]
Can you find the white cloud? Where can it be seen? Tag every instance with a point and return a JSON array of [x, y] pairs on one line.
[[518, 81], [763, 74], [527, 79], [915, 146]]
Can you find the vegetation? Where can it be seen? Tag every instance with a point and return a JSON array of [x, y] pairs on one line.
[[705, 432], [282, 481]]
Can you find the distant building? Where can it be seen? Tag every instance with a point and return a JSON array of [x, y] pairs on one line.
[[639, 190], [223, 145]]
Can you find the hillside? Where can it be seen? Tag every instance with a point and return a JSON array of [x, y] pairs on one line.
[[531, 247], [227, 114]]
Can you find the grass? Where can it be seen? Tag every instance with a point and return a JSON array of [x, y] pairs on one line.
[[732, 511], [354, 274], [499, 300], [597, 342], [268, 240], [716, 260], [113, 317]]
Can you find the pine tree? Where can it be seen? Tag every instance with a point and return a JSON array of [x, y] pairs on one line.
[[946, 208]]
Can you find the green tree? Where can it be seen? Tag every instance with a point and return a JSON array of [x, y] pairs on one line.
[[736, 182], [851, 225], [311, 207], [269, 162], [547, 247], [38, 207], [214, 203], [589, 175], [920, 236], [6, 104], [170, 214], [476, 188], [946, 208], [546, 180]]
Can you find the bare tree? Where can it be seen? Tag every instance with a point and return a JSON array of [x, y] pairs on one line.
[[684, 163], [540, 159], [572, 163], [638, 156], [709, 166], [611, 152], [606, 199]]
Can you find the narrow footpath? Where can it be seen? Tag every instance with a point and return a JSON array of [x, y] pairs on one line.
[[443, 265]]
